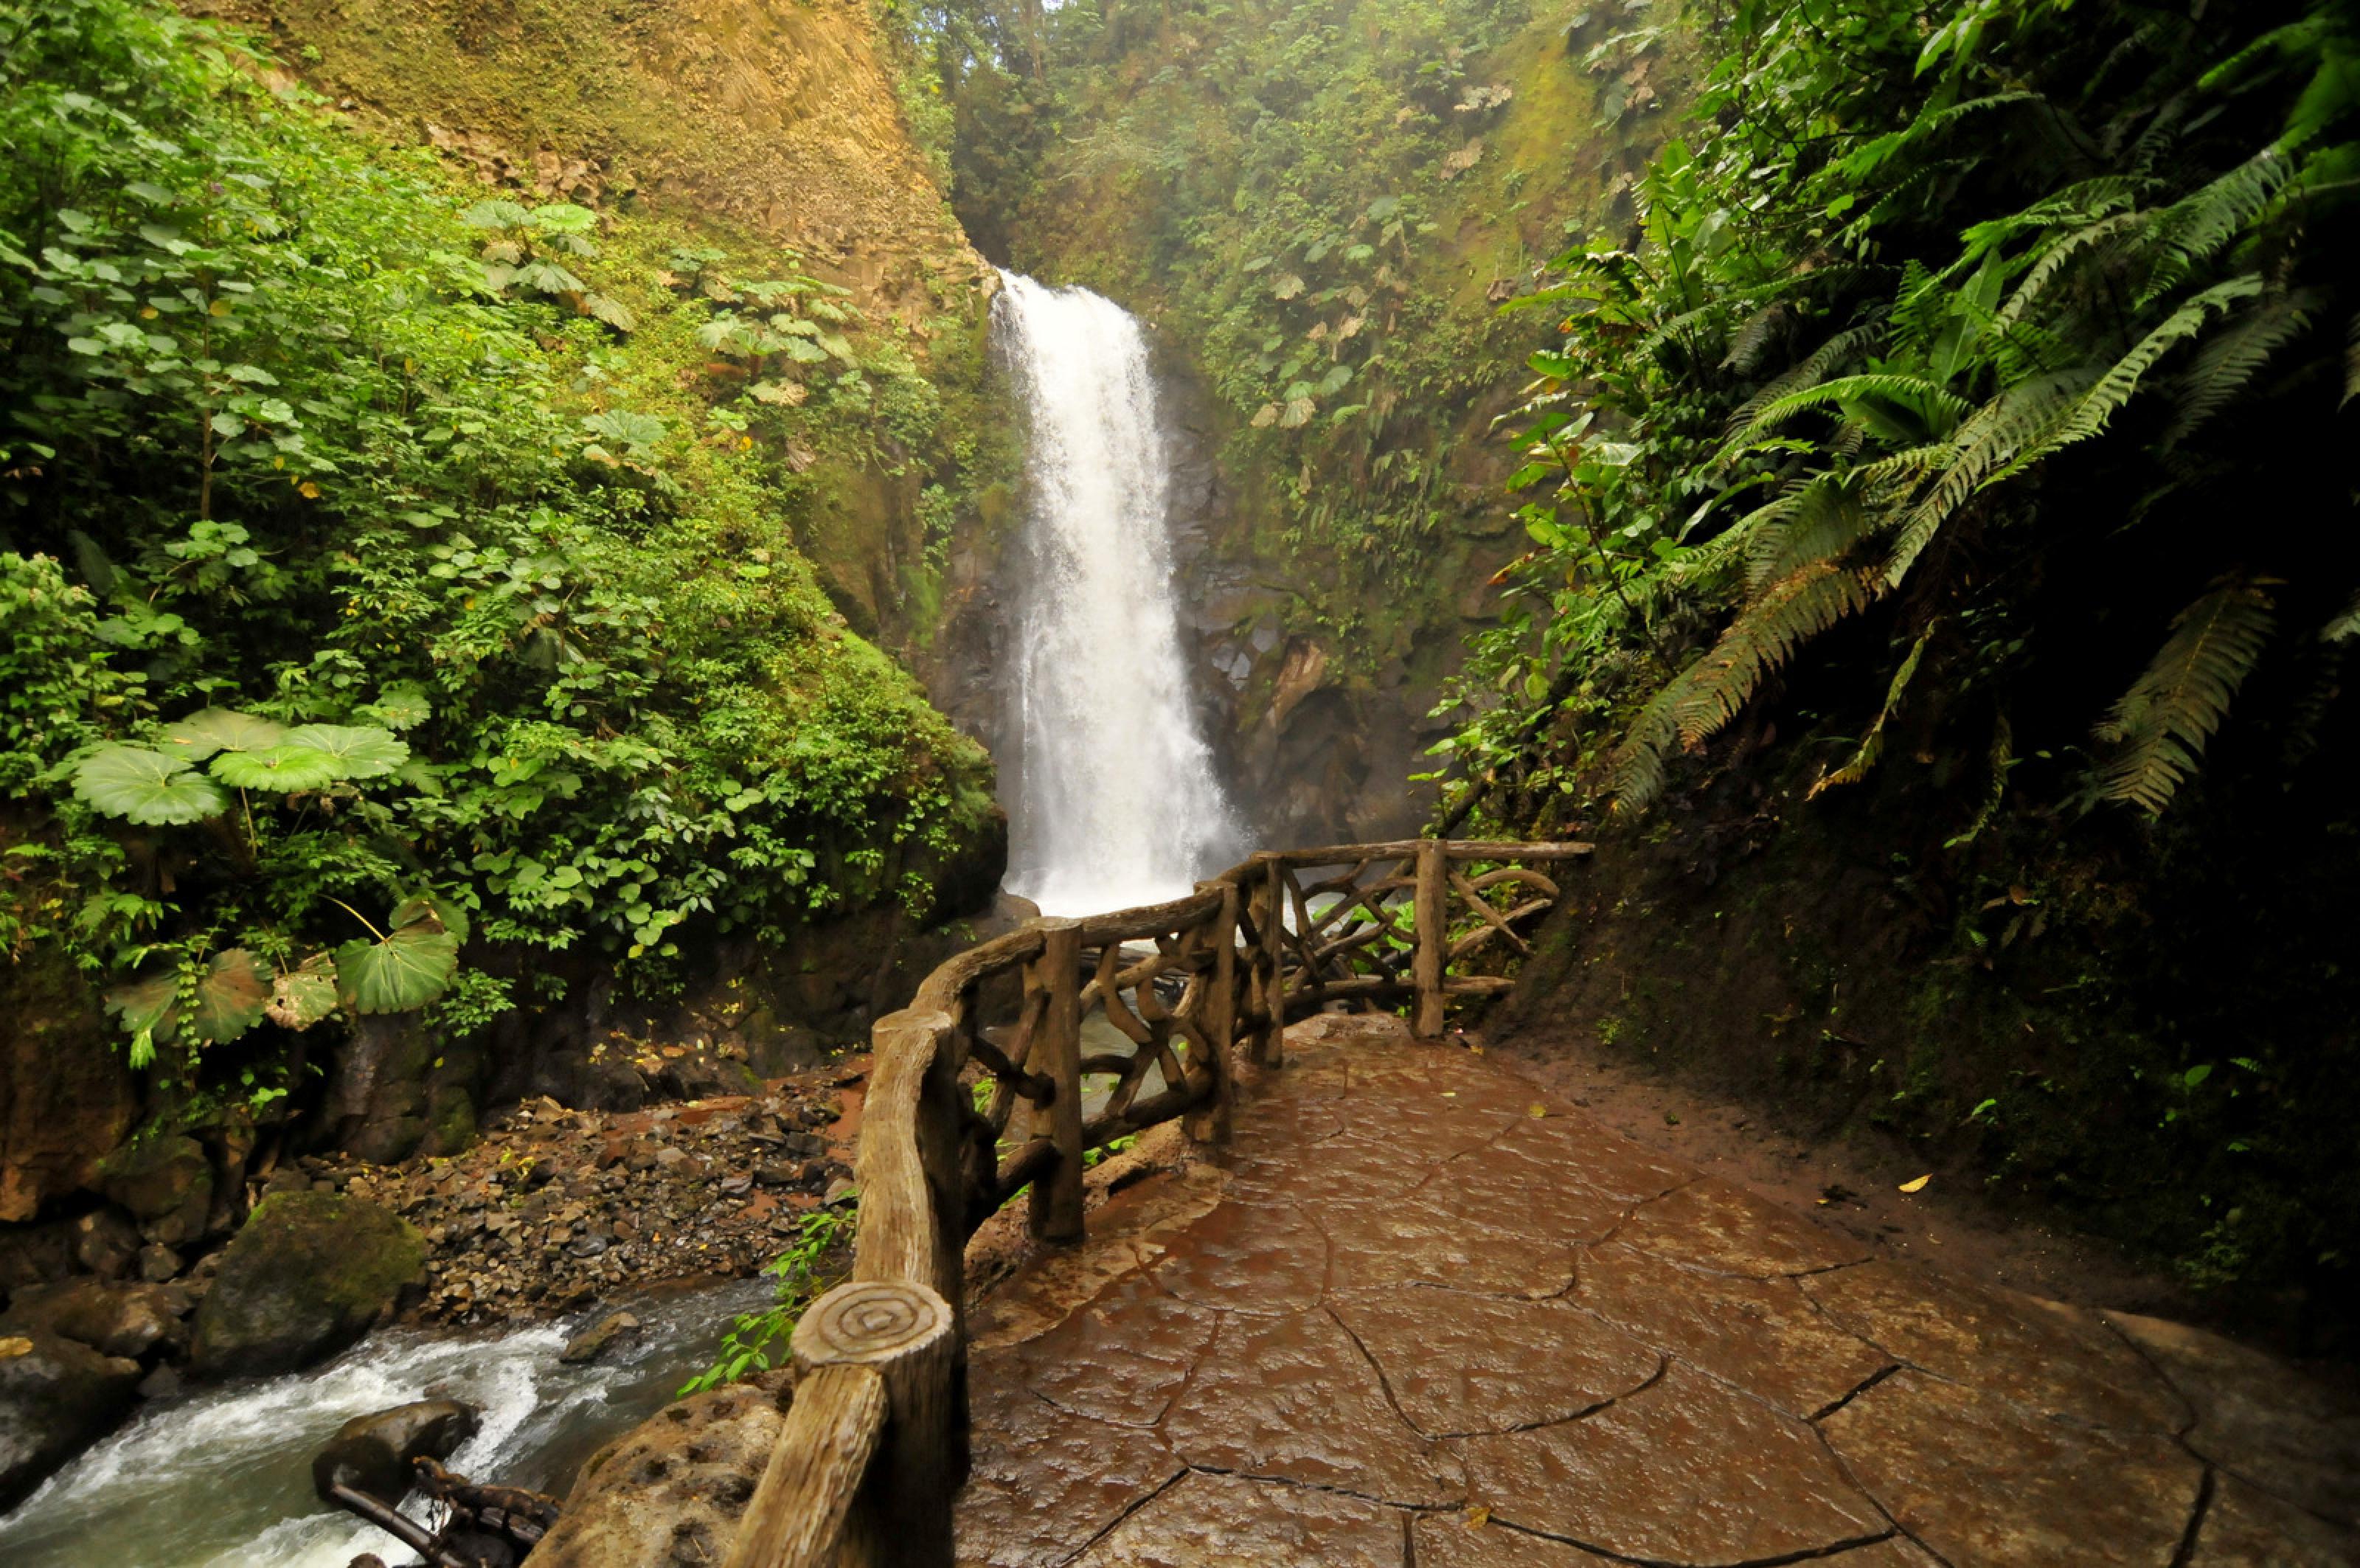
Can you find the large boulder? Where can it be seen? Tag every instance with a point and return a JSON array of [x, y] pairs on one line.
[[673, 1489], [376, 1454], [56, 1397], [308, 1276], [127, 1321], [167, 1183], [66, 1096]]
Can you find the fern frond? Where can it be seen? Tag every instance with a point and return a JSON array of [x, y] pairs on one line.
[[2235, 356], [1825, 520], [1872, 745], [2120, 380], [2092, 240], [1764, 636], [1990, 441], [2351, 361], [2344, 627], [2159, 727], [2190, 230], [1917, 391], [1812, 368]]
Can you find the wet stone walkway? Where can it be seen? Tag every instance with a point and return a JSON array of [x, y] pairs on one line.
[[1421, 1312]]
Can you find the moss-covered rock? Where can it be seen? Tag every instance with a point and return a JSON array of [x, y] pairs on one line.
[[306, 1278], [165, 1182]]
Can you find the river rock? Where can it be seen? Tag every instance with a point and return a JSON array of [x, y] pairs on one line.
[[306, 1278], [158, 1263], [673, 1489], [57, 1396], [376, 1454], [113, 1319], [166, 1184], [595, 1343], [105, 1243]]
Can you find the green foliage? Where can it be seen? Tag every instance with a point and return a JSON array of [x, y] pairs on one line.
[[352, 553], [2023, 302], [759, 1339]]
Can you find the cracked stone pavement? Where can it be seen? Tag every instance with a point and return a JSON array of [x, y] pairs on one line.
[[1422, 1312]]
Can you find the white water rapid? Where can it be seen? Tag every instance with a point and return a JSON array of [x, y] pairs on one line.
[[222, 1478], [1112, 788]]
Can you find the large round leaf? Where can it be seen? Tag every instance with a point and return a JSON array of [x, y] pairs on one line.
[[305, 994], [432, 912], [407, 970], [358, 751], [231, 996], [211, 729], [285, 769], [401, 706], [146, 786]]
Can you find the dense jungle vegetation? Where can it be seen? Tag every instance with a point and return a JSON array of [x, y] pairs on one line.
[[399, 579], [1931, 444], [1955, 444]]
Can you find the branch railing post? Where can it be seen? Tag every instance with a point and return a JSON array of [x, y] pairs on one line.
[[1432, 930], [1269, 906], [1056, 1207], [1209, 1123]]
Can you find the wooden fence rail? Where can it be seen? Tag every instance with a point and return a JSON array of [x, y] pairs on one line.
[[981, 1089]]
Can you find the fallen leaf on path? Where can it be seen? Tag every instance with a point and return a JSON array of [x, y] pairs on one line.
[[1918, 1184], [1478, 1517], [1538, 1109]]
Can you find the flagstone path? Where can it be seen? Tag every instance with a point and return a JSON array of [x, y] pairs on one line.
[[1419, 1312]]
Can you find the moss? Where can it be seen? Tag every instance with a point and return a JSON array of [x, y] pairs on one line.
[[307, 1275]]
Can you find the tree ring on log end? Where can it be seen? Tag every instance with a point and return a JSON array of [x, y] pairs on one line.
[[870, 1321]]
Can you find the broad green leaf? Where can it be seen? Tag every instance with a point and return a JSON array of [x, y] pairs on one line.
[[614, 312], [431, 911], [401, 706], [285, 769], [563, 217], [634, 429], [304, 996], [147, 1005], [211, 729], [494, 215], [231, 997], [405, 970], [358, 751], [146, 786]]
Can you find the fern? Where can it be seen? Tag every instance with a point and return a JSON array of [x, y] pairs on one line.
[[1988, 443], [1872, 745], [1709, 693], [2351, 361], [2235, 356], [1819, 520], [2190, 230], [2159, 727], [1936, 401], [2095, 240], [1813, 369]]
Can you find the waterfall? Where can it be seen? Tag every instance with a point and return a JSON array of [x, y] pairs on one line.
[[1114, 802]]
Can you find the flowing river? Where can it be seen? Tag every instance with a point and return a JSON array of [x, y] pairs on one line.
[[222, 1479], [1113, 800]]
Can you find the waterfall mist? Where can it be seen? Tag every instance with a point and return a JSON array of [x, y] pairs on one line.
[[1113, 799]]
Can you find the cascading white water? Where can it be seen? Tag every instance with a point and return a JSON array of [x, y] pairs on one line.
[[222, 1478], [1114, 798]]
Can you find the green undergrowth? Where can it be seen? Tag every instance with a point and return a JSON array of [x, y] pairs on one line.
[[402, 578]]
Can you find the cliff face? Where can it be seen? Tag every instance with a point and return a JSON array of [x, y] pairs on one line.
[[782, 121]]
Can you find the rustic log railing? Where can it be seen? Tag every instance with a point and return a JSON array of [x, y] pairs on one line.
[[981, 1089]]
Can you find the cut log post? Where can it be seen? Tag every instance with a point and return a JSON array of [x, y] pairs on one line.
[[1209, 1123], [1056, 1211], [1432, 934], [862, 1474]]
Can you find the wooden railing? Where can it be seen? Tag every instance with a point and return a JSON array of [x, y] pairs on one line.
[[981, 1089]]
